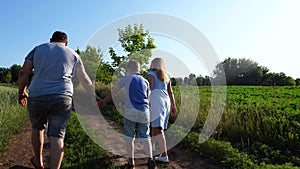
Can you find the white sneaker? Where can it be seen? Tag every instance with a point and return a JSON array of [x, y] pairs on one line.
[[162, 159]]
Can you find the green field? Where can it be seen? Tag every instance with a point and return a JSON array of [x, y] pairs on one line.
[[12, 116], [262, 122], [259, 128]]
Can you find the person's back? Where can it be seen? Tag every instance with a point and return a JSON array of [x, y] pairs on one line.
[[137, 115], [161, 100], [50, 94], [54, 66], [137, 89], [158, 85]]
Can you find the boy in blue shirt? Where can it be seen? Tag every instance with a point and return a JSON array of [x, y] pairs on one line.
[[137, 114]]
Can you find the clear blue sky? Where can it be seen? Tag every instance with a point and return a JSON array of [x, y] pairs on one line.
[[266, 31]]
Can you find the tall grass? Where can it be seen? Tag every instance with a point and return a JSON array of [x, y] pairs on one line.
[[12, 116], [263, 121]]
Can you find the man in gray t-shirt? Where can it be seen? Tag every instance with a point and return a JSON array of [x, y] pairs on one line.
[[50, 94]]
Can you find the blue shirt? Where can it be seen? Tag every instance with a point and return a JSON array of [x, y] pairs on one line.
[[137, 89], [54, 67], [158, 84]]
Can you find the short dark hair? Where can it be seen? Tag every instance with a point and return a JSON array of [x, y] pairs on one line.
[[59, 36]]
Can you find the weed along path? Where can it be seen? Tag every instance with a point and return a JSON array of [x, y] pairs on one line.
[[19, 150]]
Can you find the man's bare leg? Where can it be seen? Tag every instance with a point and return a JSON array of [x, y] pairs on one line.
[[37, 140], [56, 152]]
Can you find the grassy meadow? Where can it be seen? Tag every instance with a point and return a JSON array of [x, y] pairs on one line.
[[259, 128], [12, 116]]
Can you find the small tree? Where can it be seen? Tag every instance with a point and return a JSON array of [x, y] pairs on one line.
[[136, 43], [14, 69], [5, 75], [297, 82], [240, 71], [104, 73], [8, 77], [91, 58]]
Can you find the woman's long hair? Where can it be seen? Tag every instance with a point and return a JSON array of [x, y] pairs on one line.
[[158, 66]]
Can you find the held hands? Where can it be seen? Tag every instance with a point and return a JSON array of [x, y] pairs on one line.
[[101, 104]]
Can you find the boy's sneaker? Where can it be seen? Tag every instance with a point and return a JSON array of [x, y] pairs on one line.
[[151, 163], [162, 159]]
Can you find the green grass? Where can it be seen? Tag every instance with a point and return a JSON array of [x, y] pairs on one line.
[[12, 115], [263, 121], [259, 128]]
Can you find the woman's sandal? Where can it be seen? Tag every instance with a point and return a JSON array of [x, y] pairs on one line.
[[35, 166]]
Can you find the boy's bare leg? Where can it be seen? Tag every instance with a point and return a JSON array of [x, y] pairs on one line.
[[37, 140], [130, 152], [56, 152]]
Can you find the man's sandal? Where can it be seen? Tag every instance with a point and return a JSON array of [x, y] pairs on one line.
[[35, 166]]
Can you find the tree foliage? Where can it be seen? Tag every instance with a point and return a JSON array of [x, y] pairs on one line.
[[10, 75], [297, 82], [104, 73], [136, 43], [14, 69], [91, 58], [96, 68], [247, 72]]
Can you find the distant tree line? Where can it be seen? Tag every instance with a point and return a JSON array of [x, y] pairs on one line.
[[10, 75], [244, 71], [137, 44], [237, 72]]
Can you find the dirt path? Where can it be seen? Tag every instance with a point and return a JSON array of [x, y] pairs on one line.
[[19, 151], [179, 158]]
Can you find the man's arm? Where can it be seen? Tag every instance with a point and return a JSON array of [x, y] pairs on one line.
[[23, 78]]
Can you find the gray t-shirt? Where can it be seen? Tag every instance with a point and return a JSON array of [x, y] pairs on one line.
[[54, 67]]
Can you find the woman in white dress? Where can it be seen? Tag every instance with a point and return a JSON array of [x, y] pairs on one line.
[[161, 103]]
